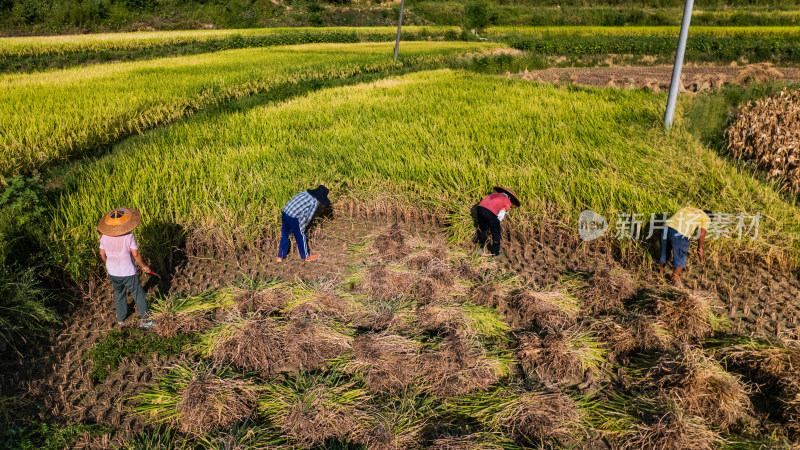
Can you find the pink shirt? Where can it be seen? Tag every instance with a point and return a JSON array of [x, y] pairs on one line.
[[118, 254], [496, 202]]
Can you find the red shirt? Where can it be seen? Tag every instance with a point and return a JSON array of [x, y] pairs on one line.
[[496, 202]]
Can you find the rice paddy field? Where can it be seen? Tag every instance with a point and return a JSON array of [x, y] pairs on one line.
[[403, 334]]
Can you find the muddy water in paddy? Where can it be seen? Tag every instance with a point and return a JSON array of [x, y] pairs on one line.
[[759, 302]]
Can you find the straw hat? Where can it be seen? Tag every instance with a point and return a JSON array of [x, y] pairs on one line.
[[511, 195], [119, 221]]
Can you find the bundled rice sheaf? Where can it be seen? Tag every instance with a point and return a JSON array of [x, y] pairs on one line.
[[631, 334], [270, 347], [474, 441], [211, 403], [466, 319], [321, 305], [568, 356], [458, 367], [388, 361], [700, 386], [383, 283], [608, 290], [319, 415], [672, 431], [391, 245], [428, 259], [492, 295], [266, 301], [171, 324], [446, 319], [542, 309], [768, 133], [688, 316], [185, 315], [529, 418]]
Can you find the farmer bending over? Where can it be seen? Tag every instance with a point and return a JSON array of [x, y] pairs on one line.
[[295, 218], [117, 246], [680, 228], [491, 211]]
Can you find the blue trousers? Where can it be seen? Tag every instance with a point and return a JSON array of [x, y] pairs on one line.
[[677, 244], [290, 225]]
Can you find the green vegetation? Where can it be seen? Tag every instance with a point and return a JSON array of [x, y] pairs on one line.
[[131, 342], [776, 49], [67, 113], [259, 157], [40, 435], [81, 16], [38, 53]]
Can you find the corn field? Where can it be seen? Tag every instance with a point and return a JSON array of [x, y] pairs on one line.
[[767, 132]]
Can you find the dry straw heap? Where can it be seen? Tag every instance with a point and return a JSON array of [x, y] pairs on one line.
[[768, 132]]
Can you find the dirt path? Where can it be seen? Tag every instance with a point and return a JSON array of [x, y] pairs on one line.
[[657, 78]]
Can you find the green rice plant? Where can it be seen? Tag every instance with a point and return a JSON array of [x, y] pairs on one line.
[[486, 323], [202, 302], [161, 403], [671, 31], [212, 339], [233, 154], [71, 112], [529, 417], [24, 310], [312, 409], [244, 435]]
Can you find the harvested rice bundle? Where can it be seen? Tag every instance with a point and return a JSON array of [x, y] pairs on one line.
[[387, 361], [672, 431], [542, 309], [320, 305], [391, 245], [699, 385], [184, 315], [632, 334], [567, 356], [689, 315], [391, 315], [428, 260], [400, 423], [770, 365], [608, 290], [270, 346], [530, 418], [473, 321], [313, 414], [198, 399], [766, 132], [265, 301], [493, 294], [459, 367], [474, 441], [383, 283]]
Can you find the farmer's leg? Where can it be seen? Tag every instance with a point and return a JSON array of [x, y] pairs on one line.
[[483, 231], [120, 300], [680, 252], [494, 228], [299, 236], [283, 248], [662, 260], [132, 283]]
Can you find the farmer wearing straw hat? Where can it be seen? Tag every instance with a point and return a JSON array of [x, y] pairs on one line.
[[117, 246], [491, 211], [296, 216], [675, 239]]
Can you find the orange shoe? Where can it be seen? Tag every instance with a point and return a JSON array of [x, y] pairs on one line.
[[279, 259], [311, 257]]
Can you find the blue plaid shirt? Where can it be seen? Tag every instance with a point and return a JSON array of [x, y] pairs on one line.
[[302, 207]]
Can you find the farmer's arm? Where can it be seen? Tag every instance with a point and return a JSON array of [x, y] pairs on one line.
[[700, 242], [138, 258], [103, 255]]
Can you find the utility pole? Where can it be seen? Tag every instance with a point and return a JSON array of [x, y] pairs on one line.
[[399, 26], [676, 70]]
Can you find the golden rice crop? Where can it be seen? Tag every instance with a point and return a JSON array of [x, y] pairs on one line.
[[768, 133], [231, 173], [64, 113]]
